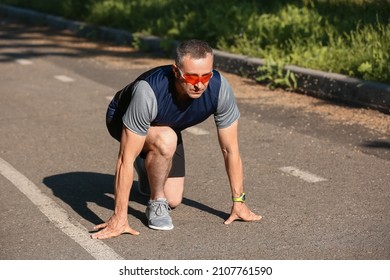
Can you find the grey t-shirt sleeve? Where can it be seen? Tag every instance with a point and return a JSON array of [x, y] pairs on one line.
[[142, 109], [227, 110]]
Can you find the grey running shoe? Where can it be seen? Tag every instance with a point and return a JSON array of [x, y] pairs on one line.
[[158, 216], [143, 182]]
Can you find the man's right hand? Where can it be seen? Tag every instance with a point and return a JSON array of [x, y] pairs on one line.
[[113, 228]]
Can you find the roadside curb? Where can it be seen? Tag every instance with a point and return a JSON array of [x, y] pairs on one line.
[[324, 85]]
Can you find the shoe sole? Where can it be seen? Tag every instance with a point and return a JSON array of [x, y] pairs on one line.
[[161, 228]]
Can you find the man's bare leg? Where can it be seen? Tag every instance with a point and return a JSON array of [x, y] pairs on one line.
[[160, 146]]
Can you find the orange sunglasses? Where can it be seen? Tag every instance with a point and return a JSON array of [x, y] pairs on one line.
[[194, 79]]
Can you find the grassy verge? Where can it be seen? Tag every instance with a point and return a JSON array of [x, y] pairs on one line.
[[349, 37]]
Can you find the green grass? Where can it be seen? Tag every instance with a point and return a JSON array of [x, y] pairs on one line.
[[349, 37]]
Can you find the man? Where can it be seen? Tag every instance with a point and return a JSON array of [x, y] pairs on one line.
[[147, 117]]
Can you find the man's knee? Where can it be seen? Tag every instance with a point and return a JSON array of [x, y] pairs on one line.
[[162, 140], [173, 189], [174, 202]]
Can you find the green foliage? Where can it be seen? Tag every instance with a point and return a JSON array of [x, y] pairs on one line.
[[111, 13], [274, 74], [349, 37]]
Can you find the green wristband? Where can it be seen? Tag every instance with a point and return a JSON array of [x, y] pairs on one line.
[[239, 199]]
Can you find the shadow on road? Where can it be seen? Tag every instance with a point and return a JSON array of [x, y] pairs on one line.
[[77, 189], [30, 37], [377, 144]]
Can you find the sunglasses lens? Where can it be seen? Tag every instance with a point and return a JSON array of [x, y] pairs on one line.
[[206, 78], [191, 79], [194, 79]]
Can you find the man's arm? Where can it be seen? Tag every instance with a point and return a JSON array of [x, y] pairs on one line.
[[228, 141], [130, 147]]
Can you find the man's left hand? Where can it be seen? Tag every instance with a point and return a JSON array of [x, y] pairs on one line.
[[241, 212]]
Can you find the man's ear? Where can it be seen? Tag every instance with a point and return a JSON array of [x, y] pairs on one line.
[[175, 71]]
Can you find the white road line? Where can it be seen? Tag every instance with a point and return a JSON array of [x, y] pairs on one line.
[[24, 61], [197, 131], [306, 176], [57, 215], [64, 78]]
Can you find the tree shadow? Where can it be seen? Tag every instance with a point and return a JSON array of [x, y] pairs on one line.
[[71, 44], [77, 189]]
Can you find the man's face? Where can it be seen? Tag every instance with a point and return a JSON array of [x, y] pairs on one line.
[[193, 76]]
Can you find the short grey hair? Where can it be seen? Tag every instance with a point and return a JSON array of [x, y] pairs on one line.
[[194, 48]]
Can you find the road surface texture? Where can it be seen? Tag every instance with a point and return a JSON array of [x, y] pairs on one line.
[[318, 172]]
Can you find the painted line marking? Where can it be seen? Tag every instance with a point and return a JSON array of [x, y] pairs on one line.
[[304, 175], [110, 97], [64, 78], [57, 215], [197, 131], [22, 61]]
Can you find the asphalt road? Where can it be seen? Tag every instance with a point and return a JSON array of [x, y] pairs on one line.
[[323, 194]]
